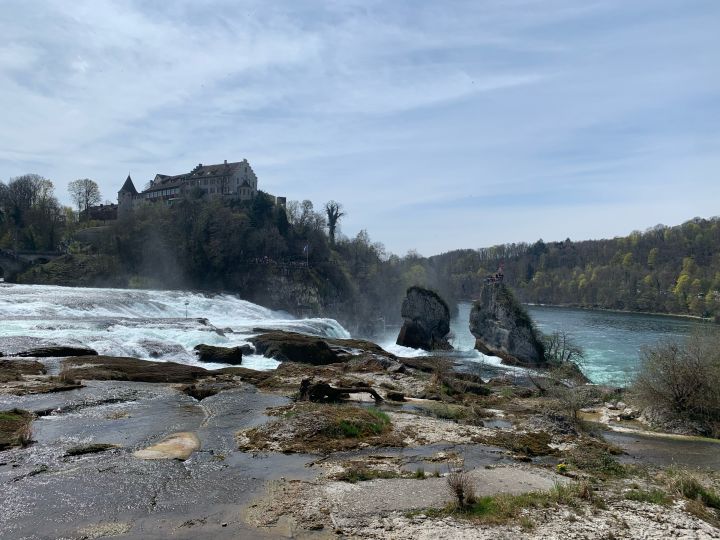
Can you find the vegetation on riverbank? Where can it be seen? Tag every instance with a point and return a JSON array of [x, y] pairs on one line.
[[296, 259]]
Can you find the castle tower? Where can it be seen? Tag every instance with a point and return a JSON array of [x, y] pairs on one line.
[[126, 195]]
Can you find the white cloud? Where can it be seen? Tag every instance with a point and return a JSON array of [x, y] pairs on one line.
[[386, 106]]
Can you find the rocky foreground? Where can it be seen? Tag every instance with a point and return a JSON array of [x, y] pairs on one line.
[[343, 440]]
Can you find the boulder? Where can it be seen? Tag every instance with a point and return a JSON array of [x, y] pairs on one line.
[[294, 347], [219, 355], [426, 321], [314, 350], [503, 328], [178, 446], [112, 368], [57, 350]]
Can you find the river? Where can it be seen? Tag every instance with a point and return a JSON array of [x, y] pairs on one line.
[[166, 325], [613, 340]]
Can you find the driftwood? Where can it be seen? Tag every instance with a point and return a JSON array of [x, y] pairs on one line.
[[322, 392]]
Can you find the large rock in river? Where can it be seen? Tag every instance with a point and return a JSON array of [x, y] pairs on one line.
[[316, 350], [503, 328], [58, 351], [219, 355], [427, 321]]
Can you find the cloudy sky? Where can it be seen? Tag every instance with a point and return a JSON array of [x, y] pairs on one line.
[[438, 125]]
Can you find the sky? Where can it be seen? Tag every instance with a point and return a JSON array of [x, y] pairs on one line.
[[437, 125]]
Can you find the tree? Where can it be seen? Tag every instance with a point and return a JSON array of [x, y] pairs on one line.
[[84, 193], [334, 213]]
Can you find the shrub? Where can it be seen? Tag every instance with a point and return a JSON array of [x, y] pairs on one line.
[[460, 486], [683, 379]]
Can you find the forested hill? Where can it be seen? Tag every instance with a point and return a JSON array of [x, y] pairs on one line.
[[664, 269]]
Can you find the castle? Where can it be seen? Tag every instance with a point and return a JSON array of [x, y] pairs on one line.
[[229, 180]]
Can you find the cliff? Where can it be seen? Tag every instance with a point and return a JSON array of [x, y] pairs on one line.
[[503, 328]]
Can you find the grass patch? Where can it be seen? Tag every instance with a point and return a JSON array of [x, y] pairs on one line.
[[503, 508], [596, 457], [321, 428], [355, 425], [689, 486], [364, 474], [14, 428], [654, 496], [445, 411]]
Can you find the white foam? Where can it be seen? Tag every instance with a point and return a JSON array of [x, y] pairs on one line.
[[143, 323]]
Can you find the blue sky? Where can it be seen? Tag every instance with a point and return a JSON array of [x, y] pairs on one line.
[[438, 125]]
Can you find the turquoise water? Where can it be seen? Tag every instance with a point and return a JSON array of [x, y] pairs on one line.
[[612, 340]]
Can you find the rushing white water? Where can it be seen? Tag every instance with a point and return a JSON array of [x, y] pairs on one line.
[[461, 339], [160, 325]]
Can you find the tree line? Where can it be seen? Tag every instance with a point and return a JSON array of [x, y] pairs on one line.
[[664, 269], [296, 257]]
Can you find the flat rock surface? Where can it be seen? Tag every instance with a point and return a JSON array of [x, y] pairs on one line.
[[45, 495], [401, 495]]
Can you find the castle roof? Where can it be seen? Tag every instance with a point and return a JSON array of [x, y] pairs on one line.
[[200, 172], [129, 186]]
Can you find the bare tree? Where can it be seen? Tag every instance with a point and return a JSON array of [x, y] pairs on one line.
[[84, 193], [560, 349], [334, 213], [683, 379]]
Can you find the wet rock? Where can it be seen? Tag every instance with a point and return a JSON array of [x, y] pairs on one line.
[[294, 347], [219, 355], [176, 446], [57, 351], [503, 328], [208, 387], [375, 363], [395, 396], [160, 349], [84, 449], [14, 369], [426, 321], [112, 368]]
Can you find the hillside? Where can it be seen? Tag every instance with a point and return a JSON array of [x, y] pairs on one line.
[[664, 270]]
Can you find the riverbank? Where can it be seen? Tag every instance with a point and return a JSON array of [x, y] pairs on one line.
[[236, 455]]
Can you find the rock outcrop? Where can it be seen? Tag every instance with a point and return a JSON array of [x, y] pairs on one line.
[[318, 351], [219, 355], [503, 328], [112, 368], [57, 351], [427, 321]]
